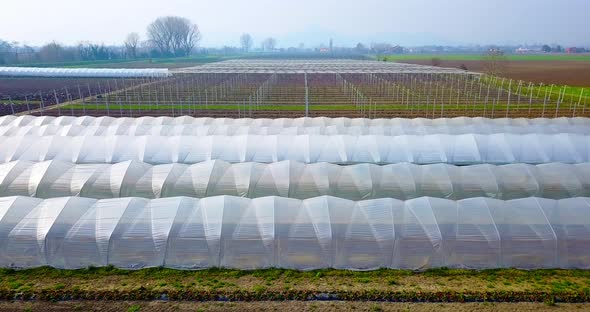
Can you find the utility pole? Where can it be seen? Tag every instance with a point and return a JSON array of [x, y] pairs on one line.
[[306, 96]]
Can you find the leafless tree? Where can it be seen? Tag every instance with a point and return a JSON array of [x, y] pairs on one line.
[[494, 62], [246, 41], [87, 51], [51, 52], [131, 44], [174, 36], [269, 44], [5, 52]]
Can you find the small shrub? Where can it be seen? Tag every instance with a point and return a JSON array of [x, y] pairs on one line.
[[550, 302], [134, 308], [259, 288], [376, 308]]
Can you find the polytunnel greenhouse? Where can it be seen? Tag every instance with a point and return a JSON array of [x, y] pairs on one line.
[[291, 179], [465, 149], [404, 124], [82, 72], [304, 193], [236, 130], [321, 232]]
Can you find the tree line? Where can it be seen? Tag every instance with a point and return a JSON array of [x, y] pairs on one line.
[[168, 36]]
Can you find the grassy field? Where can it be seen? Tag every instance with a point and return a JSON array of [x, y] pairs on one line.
[[139, 63], [284, 306], [553, 92], [19, 102], [478, 57], [437, 285]]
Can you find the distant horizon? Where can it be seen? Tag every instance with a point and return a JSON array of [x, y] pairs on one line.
[[310, 47], [349, 44], [405, 23]]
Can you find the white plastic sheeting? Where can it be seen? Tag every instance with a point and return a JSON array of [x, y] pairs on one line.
[[321, 232], [416, 124], [419, 149], [233, 130], [294, 180], [332, 66], [82, 72]]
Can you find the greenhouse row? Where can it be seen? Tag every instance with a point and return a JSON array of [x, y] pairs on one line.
[[293, 179], [420, 149], [83, 72], [321, 232], [229, 130], [476, 122], [319, 66]]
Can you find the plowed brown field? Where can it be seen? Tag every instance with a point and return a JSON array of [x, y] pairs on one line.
[[572, 73]]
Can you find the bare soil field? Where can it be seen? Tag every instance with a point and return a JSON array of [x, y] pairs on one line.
[[30, 93], [286, 306], [572, 73]]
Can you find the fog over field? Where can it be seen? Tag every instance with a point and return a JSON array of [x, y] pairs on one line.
[[416, 22]]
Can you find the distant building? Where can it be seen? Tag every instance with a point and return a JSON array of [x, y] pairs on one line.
[[523, 50], [573, 50]]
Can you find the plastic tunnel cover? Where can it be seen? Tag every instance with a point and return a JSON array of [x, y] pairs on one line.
[[320, 232], [291, 179]]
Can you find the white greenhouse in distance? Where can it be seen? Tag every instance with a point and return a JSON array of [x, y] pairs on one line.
[[83, 72]]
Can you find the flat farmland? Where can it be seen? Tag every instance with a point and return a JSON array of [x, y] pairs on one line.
[[290, 89], [557, 69], [266, 95], [176, 62], [24, 94]]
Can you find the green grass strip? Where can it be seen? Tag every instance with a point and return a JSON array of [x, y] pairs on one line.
[[437, 285]]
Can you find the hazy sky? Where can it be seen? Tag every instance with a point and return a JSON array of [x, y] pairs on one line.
[[406, 22]]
